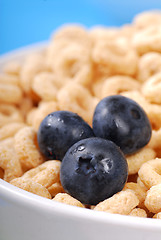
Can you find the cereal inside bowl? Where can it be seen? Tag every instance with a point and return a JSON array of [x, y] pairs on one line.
[[49, 128]]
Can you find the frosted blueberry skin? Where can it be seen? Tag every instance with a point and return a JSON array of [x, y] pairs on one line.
[[59, 131], [122, 121], [93, 170]]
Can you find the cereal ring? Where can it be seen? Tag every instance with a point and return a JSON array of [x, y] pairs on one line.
[[157, 215], [138, 212], [26, 148], [148, 40], [141, 184], [155, 141], [10, 93], [9, 114], [9, 79], [73, 63], [96, 87], [136, 160], [152, 87], [47, 174], [120, 203], [117, 84], [138, 190], [33, 64], [12, 68], [153, 199], [25, 106], [149, 64], [9, 162], [146, 19], [67, 199], [36, 115], [127, 31], [10, 129], [45, 85], [55, 188], [149, 173], [118, 56], [99, 33], [74, 97], [31, 186], [72, 33]]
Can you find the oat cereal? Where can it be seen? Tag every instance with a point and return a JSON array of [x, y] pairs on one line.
[[25, 144], [67, 199], [9, 161], [77, 69], [120, 203], [31, 186], [138, 212]]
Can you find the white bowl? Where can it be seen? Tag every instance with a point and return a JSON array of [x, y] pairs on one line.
[[26, 216]]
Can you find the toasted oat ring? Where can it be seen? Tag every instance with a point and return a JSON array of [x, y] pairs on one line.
[[153, 199], [9, 161], [26, 148], [10, 129], [98, 33], [9, 93], [141, 184], [149, 64], [148, 40], [67, 199], [150, 173], [9, 79], [147, 18], [47, 174], [118, 56], [138, 212], [12, 68], [152, 88], [74, 97], [157, 215], [73, 63], [139, 191], [25, 106], [56, 188], [8, 114], [155, 141], [36, 115], [31, 186], [96, 87], [136, 160], [33, 64], [72, 33], [117, 84], [120, 203], [45, 85]]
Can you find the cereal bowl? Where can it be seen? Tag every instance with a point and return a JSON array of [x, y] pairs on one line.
[[25, 215]]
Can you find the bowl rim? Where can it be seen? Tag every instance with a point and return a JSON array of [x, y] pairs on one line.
[[16, 195]]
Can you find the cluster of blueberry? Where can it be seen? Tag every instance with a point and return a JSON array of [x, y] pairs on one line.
[[94, 166]]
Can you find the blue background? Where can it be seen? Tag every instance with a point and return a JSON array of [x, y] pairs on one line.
[[23, 22]]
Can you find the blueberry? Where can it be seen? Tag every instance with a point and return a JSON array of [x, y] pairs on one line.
[[93, 169], [59, 131], [122, 121]]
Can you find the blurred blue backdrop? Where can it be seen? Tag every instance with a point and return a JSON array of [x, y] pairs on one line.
[[23, 22]]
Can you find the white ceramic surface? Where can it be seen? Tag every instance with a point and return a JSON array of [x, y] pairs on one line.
[[26, 216]]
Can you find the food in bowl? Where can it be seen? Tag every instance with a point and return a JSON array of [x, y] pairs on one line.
[[77, 69]]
